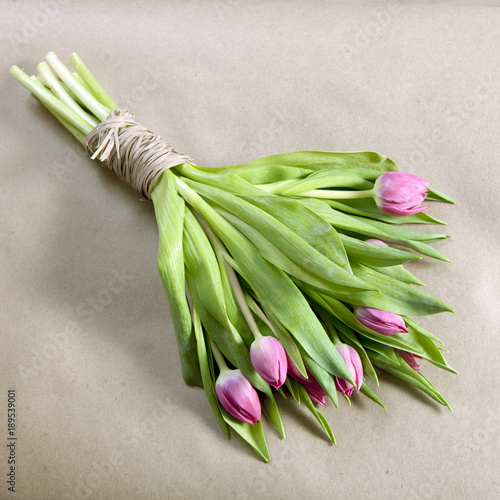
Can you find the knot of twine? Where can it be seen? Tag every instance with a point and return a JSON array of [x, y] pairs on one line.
[[132, 151]]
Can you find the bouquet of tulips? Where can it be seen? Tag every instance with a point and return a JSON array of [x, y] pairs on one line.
[[284, 275]]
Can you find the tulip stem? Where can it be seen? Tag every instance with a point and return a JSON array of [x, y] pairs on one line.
[[330, 329], [221, 253], [240, 298], [221, 362], [337, 194]]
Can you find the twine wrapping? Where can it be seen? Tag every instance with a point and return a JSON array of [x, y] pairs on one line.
[[132, 151]]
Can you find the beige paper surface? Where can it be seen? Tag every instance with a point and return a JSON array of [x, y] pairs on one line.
[[86, 339]]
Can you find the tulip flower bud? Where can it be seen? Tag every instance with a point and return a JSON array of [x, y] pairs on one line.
[[311, 385], [383, 322], [397, 193], [410, 359], [269, 360], [237, 395], [293, 371], [373, 241], [315, 391], [353, 362]]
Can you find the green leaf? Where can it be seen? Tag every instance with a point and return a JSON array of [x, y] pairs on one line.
[[338, 178], [318, 160], [202, 264], [270, 409], [383, 351], [434, 194], [203, 355], [353, 225], [234, 313], [398, 273], [304, 398], [274, 256], [404, 234], [421, 330], [169, 212], [375, 255], [324, 379], [307, 225], [410, 376], [283, 238], [254, 436], [315, 231], [366, 207], [276, 293], [369, 393], [398, 297], [425, 249], [293, 387], [393, 295]]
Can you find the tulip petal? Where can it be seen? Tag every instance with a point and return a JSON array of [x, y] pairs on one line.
[[238, 397], [400, 194], [383, 322]]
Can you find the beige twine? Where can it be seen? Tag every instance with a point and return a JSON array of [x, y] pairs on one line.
[[132, 151]]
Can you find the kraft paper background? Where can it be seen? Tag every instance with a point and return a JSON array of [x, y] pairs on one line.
[[86, 339]]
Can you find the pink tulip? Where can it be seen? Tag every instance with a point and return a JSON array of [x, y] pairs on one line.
[[383, 322], [293, 371], [410, 359], [353, 362], [311, 385], [315, 391], [269, 360], [237, 395], [373, 241], [397, 193]]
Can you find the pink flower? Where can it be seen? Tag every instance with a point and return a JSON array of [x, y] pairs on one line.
[[373, 241], [397, 193], [383, 322], [294, 372], [410, 359], [311, 385], [315, 391], [237, 395], [269, 360], [353, 362]]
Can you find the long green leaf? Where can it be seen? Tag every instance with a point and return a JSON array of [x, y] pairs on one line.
[[274, 290], [318, 160], [370, 394], [398, 273], [206, 376], [304, 398], [285, 239], [274, 256], [338, 178], [398, 297], [324, 379], [270, 409], [410, 376], [366, 207], [169, 212], [375, 255]]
